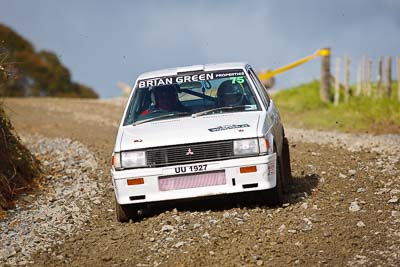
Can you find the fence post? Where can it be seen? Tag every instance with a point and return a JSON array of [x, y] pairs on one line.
[[359, 80], [379, 78], [398, 78], [325, 85], [347, 79], [369, 78], [337, 81], [365, 75], [388, 76]]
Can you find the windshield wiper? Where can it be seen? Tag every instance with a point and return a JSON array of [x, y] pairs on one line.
[[205, 112], [162, 117]]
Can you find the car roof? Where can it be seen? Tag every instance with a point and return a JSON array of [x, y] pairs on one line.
[[193, 68]]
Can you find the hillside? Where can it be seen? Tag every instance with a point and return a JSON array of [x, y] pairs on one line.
[[27, 72], [301, 107]]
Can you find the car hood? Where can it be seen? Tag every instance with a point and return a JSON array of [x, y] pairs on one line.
[[186, 130]]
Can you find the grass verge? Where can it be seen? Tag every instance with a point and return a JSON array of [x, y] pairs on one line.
[[301, 107]]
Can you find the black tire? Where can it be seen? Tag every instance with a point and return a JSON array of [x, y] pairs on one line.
[[276, 194], [287, 169], [124, 213]]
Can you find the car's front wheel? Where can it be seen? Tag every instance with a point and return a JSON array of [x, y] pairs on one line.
[[276, 194], [124, 213], [287, 170]]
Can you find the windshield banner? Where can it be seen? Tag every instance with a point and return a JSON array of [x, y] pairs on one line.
[[202, 76]]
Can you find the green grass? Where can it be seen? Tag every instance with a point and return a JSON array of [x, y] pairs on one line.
[[300, 106]]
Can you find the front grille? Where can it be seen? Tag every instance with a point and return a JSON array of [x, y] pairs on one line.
[[189, 153]]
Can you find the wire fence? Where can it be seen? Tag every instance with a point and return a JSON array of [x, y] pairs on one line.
[[373, 79]]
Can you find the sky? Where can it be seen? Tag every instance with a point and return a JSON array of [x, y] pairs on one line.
[[103, 42]]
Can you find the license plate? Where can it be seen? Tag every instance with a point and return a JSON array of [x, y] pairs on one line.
[[191, 168]]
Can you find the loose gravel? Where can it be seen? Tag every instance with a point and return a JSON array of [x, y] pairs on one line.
[[387, 143], [343, 208], [386, 147], [60, 209]]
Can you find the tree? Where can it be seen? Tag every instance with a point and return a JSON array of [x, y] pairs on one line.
[[39, 73]]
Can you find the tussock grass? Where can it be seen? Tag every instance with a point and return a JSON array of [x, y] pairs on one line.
[[18, 167], [300, 106]]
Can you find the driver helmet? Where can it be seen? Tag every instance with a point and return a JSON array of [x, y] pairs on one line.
[[165, 97], [230, 94]]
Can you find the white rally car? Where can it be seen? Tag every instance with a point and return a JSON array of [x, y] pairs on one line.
[[198, 131]]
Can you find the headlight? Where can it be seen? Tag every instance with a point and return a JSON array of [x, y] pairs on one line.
[[245, 147], [133, 159]]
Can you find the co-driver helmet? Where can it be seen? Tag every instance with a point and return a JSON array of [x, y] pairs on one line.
[[230, 94]]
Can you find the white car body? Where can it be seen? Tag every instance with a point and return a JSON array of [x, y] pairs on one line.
[[192, 130]]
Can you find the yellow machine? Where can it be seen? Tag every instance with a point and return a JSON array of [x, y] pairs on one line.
[[271, 73]]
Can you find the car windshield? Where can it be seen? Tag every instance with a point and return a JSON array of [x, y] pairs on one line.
[[194, 94]]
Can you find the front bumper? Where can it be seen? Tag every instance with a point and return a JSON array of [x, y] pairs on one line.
[[236, 182]]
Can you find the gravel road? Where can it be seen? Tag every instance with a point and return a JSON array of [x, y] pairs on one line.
[[44, 219], [343, 208]]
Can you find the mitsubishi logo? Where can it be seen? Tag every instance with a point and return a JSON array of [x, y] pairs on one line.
[[189, 152]]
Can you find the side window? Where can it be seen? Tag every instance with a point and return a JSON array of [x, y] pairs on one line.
[[264, 90], [260, 88]]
